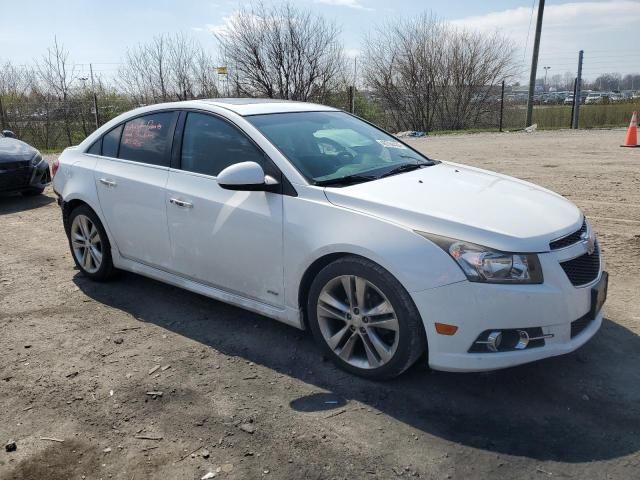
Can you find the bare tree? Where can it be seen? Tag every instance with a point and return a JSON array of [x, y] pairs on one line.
[[168, 68], [57, 76], [281, 52], [403, 64], [205, 80], [429, 74], [473, 64]]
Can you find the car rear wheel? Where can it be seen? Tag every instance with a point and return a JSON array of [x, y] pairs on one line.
[[89, 244], [364, 319]]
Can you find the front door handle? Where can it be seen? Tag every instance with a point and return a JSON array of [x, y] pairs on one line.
[[108, 182], [180, 203]]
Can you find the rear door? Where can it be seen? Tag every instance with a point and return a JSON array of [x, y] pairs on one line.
[[131, 176], [228, 239]]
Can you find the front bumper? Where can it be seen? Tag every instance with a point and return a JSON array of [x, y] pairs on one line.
[[478, 307], [18, 178]]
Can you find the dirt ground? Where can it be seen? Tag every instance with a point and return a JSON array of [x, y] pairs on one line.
[[245, 397]]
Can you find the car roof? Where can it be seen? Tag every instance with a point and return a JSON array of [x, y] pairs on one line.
[[256, 106]]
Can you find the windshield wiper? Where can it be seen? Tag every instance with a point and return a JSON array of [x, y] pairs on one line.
[[348, 180], [407, 167]]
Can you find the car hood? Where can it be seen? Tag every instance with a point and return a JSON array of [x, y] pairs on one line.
[[12, 150], [466, 203]]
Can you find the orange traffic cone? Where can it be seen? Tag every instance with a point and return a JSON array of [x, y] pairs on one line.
[[631, 139]]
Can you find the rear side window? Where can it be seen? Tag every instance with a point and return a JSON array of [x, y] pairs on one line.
[[110, 142], [210, 144], [96, 148], [147, 139]]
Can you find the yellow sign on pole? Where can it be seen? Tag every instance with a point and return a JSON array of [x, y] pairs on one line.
[[221, 70]]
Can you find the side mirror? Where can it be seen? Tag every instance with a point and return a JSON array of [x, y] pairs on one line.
[[247, 176], [9, 134]]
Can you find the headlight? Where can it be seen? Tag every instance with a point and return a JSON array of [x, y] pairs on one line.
[[483, 264], [36, 159]]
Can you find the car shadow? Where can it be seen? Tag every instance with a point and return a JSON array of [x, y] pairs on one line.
[[14, 203], [576, 408]]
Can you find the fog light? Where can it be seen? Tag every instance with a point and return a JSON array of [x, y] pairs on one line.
[[494, 340], [523, 340]]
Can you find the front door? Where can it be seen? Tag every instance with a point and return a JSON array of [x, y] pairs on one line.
[[231, 240]]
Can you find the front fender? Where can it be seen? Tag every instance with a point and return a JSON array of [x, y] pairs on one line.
[[417, 263]]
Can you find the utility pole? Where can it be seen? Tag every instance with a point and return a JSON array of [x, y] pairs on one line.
[[534, 63], [501, 104], [577, 97], [352, 90], [546, 70], [95, 98], [2, 124], [573, 104]]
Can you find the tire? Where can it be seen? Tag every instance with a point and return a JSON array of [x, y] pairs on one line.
[[32, 192], [352, 335], [82, 222]]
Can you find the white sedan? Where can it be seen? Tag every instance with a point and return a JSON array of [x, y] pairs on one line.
[[311, 216]]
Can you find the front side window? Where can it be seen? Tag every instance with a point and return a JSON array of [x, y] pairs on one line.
[[331, 147], [210, 144], [148, 139]]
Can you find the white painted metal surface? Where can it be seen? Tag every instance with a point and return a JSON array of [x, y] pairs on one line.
[[252, 248]]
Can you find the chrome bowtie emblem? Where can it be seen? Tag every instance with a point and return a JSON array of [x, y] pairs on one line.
[[590, 242]]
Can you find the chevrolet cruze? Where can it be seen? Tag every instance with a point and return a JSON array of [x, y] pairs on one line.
[[314, 217]]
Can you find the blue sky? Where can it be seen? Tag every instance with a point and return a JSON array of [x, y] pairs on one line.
[[99, 31]]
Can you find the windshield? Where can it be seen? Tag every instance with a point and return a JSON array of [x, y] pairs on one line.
[[335, 147]]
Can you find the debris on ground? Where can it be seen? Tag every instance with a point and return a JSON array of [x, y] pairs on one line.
[[51, 439], [411, 133], [531, 128], [11, 446], [154, 369], [208, 476], [148, 437], [247, 427]]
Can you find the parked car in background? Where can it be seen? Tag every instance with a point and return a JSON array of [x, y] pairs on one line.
[[311, 216], [596, 98], [22, 168]]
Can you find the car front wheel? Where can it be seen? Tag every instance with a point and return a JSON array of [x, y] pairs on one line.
[[364, 319]]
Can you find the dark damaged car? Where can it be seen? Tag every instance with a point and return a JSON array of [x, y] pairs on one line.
[[22, 168]]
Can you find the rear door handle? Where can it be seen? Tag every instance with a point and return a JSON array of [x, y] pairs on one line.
[[108, 182], [180, 203]]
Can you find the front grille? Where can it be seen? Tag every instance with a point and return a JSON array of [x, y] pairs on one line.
[[584, 269], [15, 179], [578, 326], [569, 239]]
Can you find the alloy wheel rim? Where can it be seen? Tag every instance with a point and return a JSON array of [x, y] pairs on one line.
[[86, 243], [358, 322]]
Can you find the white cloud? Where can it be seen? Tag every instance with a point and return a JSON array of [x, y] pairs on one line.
[[601, 28], [352, 52], [603, 16], [344, 3]]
